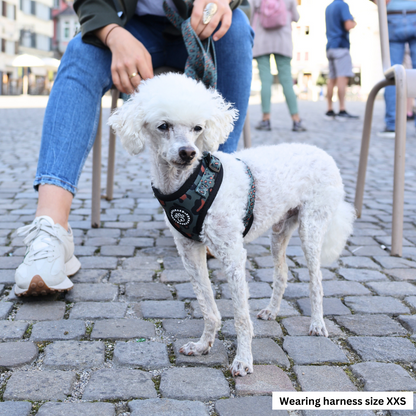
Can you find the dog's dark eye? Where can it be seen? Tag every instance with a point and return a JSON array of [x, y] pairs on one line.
[[197, 128], [163, 127]]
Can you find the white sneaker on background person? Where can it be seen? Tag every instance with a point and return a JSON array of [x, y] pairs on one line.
[[49, 259]]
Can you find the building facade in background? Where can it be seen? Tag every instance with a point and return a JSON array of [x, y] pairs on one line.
[[66, 25]]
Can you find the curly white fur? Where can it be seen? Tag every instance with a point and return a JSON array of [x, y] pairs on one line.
[[296, 186]]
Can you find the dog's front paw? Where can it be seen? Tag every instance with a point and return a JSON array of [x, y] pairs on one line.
[[194, 348], [241, 367], [267, 315], [318, 328]]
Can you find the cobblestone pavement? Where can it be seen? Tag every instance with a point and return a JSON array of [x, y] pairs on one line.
[[110, 346]]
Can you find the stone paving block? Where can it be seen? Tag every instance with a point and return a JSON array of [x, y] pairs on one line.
[[39, 385], [142, 263], [122, 329], [174, 263], [396, 289], [219, 276], [163, 309], [313, 350], [254, 250], [402, 274], [7, 277], [89, 276], [99, 262], [266, 351], [331, 306], [174, 276], [340, 288], [186, 291], [65, 355], [187, 328], [361, 275], [11, 262], [248, 406], [15, 408], [383, 377], [263, 381], [77, 409], [148, 291], [376, 304], [17, 354], [256, 305], [383, 349], [323, 378], [101, 241], [262, 329], [109, 384], [395, 262], [146, 355], [167, 407], [66, 329], [409, 322], [102, 233], [375, 325], [299, 325], [194, 383], [117, 251], [256, 290], [296, 290], [217, 355], [360, 262], [41, 311], [92, 292], [303, 274], [137, 242], [411, 300], [97, 310], [225, 307], [267, 262], [12, 330], [81, 250], [126, 276]]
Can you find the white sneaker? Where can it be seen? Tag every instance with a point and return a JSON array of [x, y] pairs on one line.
[[49, 259]]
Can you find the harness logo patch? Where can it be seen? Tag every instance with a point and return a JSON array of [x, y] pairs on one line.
[[180, 216]]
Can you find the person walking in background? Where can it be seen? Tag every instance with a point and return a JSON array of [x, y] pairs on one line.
[[401, 18], [277, 42], [339, 22]]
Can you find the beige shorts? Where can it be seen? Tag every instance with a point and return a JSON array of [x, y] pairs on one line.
[[340, 64]]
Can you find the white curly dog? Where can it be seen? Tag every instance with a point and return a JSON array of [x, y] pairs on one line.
[[297, 185]]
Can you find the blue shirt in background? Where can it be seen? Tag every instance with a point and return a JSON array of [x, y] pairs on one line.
[[400, 5], [336, 14]]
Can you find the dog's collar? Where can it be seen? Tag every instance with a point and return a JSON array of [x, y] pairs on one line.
[[187, 207]]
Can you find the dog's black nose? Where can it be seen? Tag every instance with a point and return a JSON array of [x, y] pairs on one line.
[[186, 153]]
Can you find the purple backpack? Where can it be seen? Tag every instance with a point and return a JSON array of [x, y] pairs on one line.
[[273, 14]]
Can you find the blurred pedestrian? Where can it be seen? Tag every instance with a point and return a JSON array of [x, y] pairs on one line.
[[339, 22], [276, 42], [401, 18]]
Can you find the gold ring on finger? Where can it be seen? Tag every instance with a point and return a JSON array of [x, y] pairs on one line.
[[134, 74], [209, 11]]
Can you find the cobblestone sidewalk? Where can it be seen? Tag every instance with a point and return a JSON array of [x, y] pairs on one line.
[[110, 346]]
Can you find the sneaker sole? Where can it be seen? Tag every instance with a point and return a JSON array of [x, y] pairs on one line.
[[38, 287]]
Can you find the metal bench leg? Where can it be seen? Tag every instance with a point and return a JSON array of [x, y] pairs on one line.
[[365, 144], [96, 177], [111, 151], [247, 132], [399, 161]]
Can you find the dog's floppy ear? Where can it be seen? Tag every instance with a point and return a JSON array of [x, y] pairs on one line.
[[220, 124], [127, 122]]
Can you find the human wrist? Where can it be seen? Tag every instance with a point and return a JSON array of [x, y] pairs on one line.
[[105, 33]]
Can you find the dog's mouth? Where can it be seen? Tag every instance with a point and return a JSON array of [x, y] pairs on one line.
[[181, 165]]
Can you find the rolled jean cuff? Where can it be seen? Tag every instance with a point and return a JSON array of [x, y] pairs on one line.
[[51, 180]]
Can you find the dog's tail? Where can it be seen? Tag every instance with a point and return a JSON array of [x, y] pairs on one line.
[[339, 229]]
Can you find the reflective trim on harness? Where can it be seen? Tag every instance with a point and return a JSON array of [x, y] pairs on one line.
[[187, 207]]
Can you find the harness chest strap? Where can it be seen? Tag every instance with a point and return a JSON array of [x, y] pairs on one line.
[[186, 208]]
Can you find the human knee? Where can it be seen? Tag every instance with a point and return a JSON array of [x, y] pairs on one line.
[[240, 31]]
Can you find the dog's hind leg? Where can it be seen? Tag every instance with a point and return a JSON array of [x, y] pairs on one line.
[[313, 224], [194, 260], [281, 234]]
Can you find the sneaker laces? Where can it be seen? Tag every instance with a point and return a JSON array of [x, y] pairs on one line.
[[44, 247]]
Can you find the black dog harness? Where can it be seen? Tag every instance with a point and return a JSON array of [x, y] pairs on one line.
[[186, 208]]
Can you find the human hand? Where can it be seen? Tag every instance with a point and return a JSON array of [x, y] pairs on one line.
[[223, 15], [129, 57]]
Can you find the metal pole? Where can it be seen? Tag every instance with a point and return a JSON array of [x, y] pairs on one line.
[[247, 132], [96, 177], [111, 150]]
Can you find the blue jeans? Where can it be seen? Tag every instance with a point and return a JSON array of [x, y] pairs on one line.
[[72, 115], [402, 30]]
